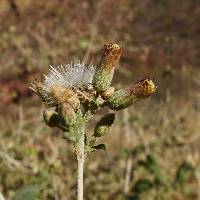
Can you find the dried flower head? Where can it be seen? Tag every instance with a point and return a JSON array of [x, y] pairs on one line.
[[58, 85], [75, 74]]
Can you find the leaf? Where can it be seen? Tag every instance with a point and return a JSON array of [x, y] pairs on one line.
[[100, 146], [104, 124], [107, 120], [101, 131], [152, 165], [183, 173], [26, 193], [89, 145], [142, 185], [72, 136], [92, 141], [75, 131], [51, 117]]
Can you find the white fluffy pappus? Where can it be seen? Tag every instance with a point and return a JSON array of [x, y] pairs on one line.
[[75, 74]]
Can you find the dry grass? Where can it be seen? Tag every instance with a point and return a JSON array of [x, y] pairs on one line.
[[159, 42], [31, 153]]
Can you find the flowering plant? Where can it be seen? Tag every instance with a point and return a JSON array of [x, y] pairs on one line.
[[74, 92]]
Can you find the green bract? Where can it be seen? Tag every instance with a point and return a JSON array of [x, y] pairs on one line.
[[125, 97], [120, 99]]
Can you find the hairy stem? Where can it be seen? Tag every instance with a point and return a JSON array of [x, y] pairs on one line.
[[80, 159]]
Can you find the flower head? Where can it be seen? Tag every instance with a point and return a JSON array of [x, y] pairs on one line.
[[59, 83], [75, 74]]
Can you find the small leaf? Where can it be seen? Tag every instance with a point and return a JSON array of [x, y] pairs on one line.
[[26, 193], [152, 166], [104, 124], [142, 185], [72, 136], [100, 146], [92, 141], [101, 131], [51, 117], [75, 132], [89, 145], [156, 169], [183, 173]]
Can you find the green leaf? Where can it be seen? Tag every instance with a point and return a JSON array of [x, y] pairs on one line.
[[104, 124], [152, 166], [73, 136], [100, 146], [142, 185], [89, 145], [183, 173], [27, 193], [75, 131]]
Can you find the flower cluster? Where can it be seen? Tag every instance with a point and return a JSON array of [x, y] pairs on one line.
[[74, 92]]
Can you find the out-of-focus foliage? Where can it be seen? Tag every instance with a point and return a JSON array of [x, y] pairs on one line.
[[26, 193], [161, 40]]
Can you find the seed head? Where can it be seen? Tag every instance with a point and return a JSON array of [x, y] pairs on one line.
[[58, 85], [71, 75]]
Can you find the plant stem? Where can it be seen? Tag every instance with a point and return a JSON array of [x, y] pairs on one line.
[[80, 159], [127, 180]]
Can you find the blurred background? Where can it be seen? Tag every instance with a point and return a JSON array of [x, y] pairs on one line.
[[153, 150]]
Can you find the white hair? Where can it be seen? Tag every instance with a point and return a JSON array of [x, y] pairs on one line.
[[75, 74]]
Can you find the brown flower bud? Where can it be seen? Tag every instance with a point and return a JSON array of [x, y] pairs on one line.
[[104, 73], [143, 89], [125, 97]]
